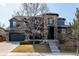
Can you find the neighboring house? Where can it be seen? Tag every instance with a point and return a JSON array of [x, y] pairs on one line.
[[48, 25], [2, 34]]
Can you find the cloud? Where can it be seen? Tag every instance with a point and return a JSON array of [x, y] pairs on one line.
[[2, 4]]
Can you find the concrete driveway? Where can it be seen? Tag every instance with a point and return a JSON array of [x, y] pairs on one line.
[[7, 47]]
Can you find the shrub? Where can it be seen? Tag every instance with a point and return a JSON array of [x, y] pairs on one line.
[[29, 42]]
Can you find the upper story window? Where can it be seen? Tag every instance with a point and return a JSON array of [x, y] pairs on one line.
[[61, 21], [50, 21], [14, 24]]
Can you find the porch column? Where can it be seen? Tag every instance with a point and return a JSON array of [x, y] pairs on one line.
[[55, 28]]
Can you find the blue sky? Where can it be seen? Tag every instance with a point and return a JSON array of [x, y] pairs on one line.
[[66, 10]]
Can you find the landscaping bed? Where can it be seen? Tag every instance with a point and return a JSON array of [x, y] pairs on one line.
[[67, 49], [29, 42]]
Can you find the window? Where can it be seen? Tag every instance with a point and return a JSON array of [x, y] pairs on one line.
[[63, 30], [50, 21], [14, 24], [59, 30]]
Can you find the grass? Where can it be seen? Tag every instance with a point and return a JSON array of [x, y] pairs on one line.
[[24, 48], [68, 49], [41, 48]]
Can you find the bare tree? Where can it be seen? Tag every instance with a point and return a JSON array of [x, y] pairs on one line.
[[35, 24], [32, 9]]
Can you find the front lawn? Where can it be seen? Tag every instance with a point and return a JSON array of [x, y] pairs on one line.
[[68, 49], [40, 48]]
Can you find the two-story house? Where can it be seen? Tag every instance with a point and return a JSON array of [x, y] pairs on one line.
[[48, 25]]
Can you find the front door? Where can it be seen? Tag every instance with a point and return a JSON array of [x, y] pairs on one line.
[[51, 33]]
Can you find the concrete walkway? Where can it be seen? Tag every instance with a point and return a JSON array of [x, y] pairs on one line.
[[53, 46]]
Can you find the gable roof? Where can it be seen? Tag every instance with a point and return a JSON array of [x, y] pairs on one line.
[[21, 18], [18, 18]]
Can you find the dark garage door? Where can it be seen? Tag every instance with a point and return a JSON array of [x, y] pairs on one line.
[[13, 36]]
